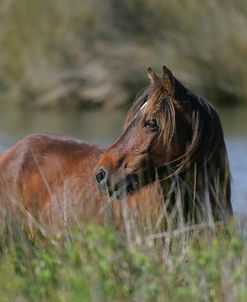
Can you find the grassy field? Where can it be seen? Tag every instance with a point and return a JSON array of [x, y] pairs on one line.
[[91, 53], [98, 263]]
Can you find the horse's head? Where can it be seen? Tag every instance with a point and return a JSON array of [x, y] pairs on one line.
[[155, 133], [167, 129]]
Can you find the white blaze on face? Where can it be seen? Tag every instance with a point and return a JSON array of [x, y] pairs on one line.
[[143, 106], [141, 109]]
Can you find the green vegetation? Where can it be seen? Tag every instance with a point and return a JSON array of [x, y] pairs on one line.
[[92, 52], [97, 263]]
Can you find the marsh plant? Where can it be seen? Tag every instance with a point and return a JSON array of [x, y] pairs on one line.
[[92, 53], [135, 260]]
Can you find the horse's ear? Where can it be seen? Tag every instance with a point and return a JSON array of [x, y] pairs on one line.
[[153, 77], [168, 81]]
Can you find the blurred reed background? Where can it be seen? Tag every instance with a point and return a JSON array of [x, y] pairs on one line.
[[93, 53]]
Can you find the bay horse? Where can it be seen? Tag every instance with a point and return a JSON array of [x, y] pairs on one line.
[[172, 140], [173, 136]]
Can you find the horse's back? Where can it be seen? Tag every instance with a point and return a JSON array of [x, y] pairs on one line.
[[45, 150], [39, 165]]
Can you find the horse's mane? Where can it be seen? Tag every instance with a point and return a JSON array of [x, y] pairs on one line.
[[205, 148], [206, 131]]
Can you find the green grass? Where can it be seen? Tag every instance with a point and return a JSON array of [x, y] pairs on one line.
[[97, 263], [91, 53]]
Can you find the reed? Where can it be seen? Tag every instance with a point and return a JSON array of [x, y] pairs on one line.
[[90, 53], [138, 260]]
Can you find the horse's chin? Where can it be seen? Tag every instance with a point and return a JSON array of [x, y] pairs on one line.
[[121, 188], [126, 186], [129, 184]]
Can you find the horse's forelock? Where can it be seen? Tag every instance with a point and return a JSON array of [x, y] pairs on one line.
[[162, 107], [147, 99], [154, 102], [140, 100]]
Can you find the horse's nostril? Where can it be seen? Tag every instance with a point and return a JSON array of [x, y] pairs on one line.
[[101, 175]]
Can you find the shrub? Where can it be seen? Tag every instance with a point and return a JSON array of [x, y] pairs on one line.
[[93, 53]]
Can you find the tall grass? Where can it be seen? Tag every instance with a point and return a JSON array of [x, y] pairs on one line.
[[93, 53], [134, 260], [98, 263]]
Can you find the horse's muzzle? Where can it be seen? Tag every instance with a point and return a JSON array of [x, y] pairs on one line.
[[129, 184], [119, 189]]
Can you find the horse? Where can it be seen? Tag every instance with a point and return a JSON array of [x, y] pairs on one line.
[[172, 143], [174, 137]]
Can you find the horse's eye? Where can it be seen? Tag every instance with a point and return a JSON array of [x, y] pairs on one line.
[[151, 124]]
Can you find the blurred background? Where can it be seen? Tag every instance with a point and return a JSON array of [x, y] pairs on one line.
[[75, 66]]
